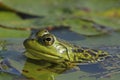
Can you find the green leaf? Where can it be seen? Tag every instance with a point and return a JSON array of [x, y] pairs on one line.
[[39, 7], [56, 10], [98, 6], [108, 22], [8, 16], [109, 18], [75, 24], [13, 33], [97, 11], [18, 24], [10, 19], [82, 27]]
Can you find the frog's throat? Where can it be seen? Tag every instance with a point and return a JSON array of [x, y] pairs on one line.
[[33, 54]]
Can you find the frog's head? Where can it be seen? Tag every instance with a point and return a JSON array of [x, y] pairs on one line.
[[45, 46]]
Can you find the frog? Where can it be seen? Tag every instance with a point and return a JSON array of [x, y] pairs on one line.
[[45, 54]]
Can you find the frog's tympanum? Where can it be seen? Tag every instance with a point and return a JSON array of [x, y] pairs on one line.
[[46, 53]]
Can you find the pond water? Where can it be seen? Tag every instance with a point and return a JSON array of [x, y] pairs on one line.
[[16, 61]]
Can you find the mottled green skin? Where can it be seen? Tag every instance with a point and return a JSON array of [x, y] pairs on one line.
[[47, 56], [45, 46]]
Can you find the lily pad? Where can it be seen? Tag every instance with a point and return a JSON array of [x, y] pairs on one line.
[[38, 7], [18, 24], [58, 10], [9, 21], [13, 33], [98, 6], [105, 15], [82, 27], [75, 24], [12, 20], [110, 20], [8, 16]]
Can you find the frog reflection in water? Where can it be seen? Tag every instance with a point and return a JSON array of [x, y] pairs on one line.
[[46, 53]]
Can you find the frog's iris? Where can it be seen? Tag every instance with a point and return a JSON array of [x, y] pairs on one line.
[[46, 39]]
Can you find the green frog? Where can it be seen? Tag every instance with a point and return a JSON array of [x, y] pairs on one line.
[[48, 55]]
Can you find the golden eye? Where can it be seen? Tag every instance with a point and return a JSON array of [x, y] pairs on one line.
[[47, 39]]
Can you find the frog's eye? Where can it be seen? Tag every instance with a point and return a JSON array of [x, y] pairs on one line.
[[47, 39], [41, 33]]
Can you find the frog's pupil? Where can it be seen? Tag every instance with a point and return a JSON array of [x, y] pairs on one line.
[[48, 39]]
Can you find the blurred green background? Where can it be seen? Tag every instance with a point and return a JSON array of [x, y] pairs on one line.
[[86, 17]]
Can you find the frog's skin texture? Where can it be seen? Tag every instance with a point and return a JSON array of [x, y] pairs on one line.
[[45, 46], [47, 56]]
